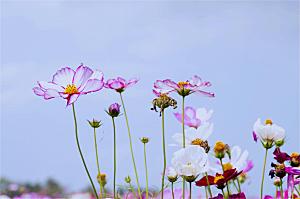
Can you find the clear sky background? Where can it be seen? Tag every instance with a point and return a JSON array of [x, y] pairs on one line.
[[249, 50]]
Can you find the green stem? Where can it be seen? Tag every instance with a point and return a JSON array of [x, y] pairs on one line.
[[190, 191], [276, 192], [146, 169], [97, 160], [172, 187], [281, 189], [263, 175], [227, 187], [131, 150], [236, 187], [206, 194], [115, 155], [164, 153], [239, 185], [223, 193], [183, 144], [208, 187], [79, 149]]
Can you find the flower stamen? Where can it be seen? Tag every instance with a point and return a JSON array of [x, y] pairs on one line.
[[217, 178], [268, 122], [71, 89]]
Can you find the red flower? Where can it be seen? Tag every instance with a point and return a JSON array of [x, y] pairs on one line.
[[219, 180], [281, 157]]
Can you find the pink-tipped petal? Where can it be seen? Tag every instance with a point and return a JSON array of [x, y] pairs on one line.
[[116, 85], [50, 93], [121, 80], [207, 94], [156, 93], [72, 99], [63, 77], [97, 75], [50, 85], [171, 84], [38, 91], [132, 82], [178, 116], [92, 85], [81, 76], [196, 80]]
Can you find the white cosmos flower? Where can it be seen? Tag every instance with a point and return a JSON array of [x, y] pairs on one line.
[[268, 132], [190, 161], [191, 134], [238, 159]]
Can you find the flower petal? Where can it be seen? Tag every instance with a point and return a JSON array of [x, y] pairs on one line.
[[207, 94], [132, 82], [63, 77], [81, 76], [92, 85], [72, 98], [39, 91], [50, 85], [50, 93]]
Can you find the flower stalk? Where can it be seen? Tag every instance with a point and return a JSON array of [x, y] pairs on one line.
[[183, 143], [115, 155], [227, 187], [208, 187], [97, 160], [80, 152], [190, 190], [281, 189], [146, 170], [164, 153], [131, 149], [263, 175]]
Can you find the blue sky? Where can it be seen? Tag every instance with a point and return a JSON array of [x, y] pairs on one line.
[[249, 50]]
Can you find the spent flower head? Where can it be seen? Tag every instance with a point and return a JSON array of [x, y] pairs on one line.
[[127, 179], [295, 159], [162, 102], [95, 123], [144, 140], [221, 149]]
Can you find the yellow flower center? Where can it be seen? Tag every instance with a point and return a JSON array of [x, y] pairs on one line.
[[268, 122], [294, 155], [71, 89], [217, 178], [197, 141], [227, 166], [219, 146], [182, 84]]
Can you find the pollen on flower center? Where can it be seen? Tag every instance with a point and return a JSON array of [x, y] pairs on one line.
[[227, 166], [268, 122], [197, 141], [294, 155], [217, 178], [182, 84], [71, 89]]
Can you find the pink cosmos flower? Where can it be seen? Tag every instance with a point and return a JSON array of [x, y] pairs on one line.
[[184, 88], [194, 118], [70, 84], [119, 84], [278, 195]]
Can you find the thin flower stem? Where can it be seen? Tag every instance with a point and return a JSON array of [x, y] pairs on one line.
[[281, 189], [190, 190], [172, 187], [206, 194], [115, 155], [223, 193], [227, 187], [164, 153], [79, 149], [239, 185], [183, 144], [236, 187], [276, 192], [131, 149], [263, 175], [146, 170], [208, 187], [97, 160]]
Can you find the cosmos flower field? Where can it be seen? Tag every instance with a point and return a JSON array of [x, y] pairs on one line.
[[217, 170]]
